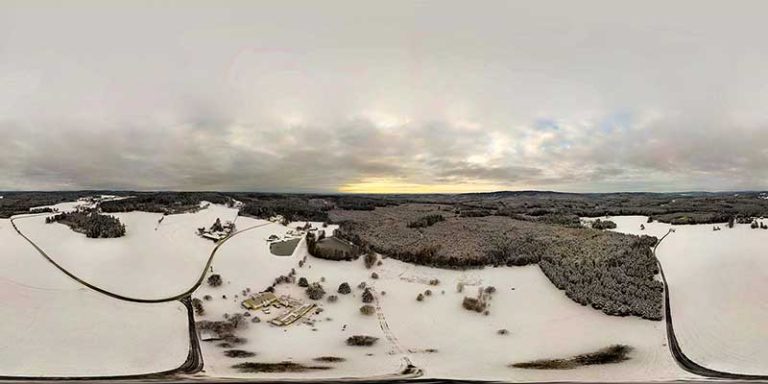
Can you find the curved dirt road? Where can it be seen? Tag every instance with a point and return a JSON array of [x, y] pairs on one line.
[[674, 347], [118, 296]]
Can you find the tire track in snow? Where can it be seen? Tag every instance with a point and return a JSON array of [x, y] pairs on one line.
[[390, 336]]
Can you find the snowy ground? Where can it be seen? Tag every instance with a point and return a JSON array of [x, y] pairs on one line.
[[542, 322], [718, 285], [437, 335], [166, 256], [245, 262], [51, 326]]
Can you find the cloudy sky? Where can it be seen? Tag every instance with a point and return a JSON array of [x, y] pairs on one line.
[[384, 96]]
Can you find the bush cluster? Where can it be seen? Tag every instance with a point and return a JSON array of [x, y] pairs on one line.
[[315, 291], [426, 221], [214, 280], [344, 288], [361, 340], [603, 224]]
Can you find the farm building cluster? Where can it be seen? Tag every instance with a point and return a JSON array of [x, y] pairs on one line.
[[294, 309], [217, 231]]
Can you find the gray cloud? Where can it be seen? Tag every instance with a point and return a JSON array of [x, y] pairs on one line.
[[302, 96]]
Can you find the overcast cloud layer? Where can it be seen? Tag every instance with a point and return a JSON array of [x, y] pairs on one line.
[[358, 96]]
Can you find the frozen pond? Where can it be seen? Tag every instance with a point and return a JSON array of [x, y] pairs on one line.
[[718, 286]]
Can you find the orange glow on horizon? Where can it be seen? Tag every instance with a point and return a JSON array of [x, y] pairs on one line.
[[395, 186]]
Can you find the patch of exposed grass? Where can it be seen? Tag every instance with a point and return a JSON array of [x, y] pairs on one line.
[[238, 353], [330, 359], [281, 367], [362, 341], [610, 355]]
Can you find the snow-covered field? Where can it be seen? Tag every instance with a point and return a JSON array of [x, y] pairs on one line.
[[437, 335], [245, 262], [52, 326], [717, 316], [155, 259], [718, 285]]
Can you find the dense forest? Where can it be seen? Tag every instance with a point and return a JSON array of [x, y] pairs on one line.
[[15, 203], [305, 207], [609, 271], [164, 202], [90, 223]]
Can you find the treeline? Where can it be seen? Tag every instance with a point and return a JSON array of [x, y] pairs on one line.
[[15, 203], [358, 203], [164, 202], [290, 207], [90, 223], [305, 207], [687, 208], [427, 255]]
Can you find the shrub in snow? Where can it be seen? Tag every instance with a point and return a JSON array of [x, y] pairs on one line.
[[282, 279], [490, 290], [367, 296], [344, 289], [234, 340], [361, 285], [332, 298], [238, 353], [369, 259], [315, 291], [361, 341], [214, 280], [603, 224], [374, 275], [367, 310], [221, 329], [502, 332], [237, 320], [207, 298], [197, 304], [255, 319], [434, 282], [303, 282], [459, 287], [428, 292], [420, 297], [473, 304]]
